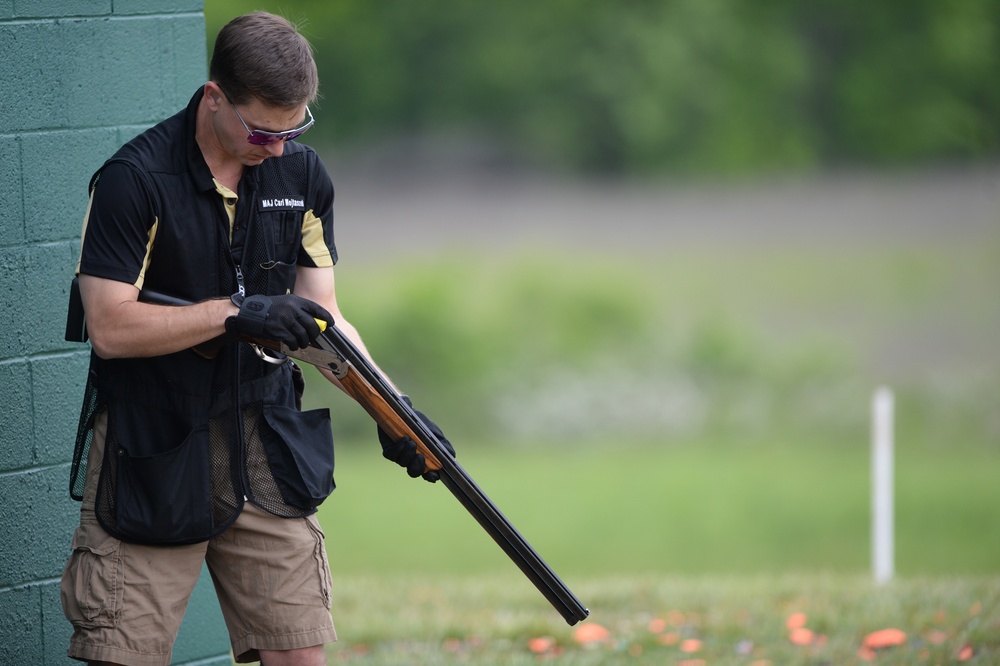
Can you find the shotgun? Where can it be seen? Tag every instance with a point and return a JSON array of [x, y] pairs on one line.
[[333, 351]]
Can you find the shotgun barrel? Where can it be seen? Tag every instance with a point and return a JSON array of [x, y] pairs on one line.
[[461, 485]]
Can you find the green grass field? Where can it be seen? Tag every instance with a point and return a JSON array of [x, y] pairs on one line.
[[591, 510], [665, 547], [685, 440], [688, 620]]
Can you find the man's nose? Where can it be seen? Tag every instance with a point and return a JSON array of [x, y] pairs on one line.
[[276, 148]]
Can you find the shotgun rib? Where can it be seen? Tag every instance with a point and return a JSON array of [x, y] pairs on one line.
[[333, 351]]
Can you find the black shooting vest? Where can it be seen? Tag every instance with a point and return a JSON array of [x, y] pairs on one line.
[[190, 439]]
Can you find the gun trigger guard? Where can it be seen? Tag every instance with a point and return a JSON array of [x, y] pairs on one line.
[[275, 359]]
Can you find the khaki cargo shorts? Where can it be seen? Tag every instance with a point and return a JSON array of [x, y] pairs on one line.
[[126, 601]]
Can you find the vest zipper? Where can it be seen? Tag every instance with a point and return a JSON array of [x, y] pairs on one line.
[[241, 289], [238, 416]]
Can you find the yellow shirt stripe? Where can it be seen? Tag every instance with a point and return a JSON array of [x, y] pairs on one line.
[[149, 245], [313, 242]]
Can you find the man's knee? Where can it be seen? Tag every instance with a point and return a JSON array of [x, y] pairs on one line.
[[314, 655]]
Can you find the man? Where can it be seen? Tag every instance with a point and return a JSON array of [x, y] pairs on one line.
[[186, 457]]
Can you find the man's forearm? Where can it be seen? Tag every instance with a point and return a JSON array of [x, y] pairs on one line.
[[120, 326]]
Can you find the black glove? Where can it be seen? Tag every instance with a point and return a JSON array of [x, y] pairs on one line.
[[289, 319], [404, 451]]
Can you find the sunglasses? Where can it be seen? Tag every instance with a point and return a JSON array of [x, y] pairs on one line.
[[263, 138]]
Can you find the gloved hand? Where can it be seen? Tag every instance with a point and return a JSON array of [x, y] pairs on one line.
[[288, 318], [403, 452]]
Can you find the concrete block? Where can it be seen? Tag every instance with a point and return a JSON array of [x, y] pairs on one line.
[[48, 272], [36, 508], [20, 626], [29, 52], [98, 71], [61, 8], [13, 268], [185, 74], [57, 167], [35, 280], [11, 210], [57, 385], [158, 7], [149, 74], [15, 418]]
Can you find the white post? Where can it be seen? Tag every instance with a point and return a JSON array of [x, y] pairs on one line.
[[882, 485]]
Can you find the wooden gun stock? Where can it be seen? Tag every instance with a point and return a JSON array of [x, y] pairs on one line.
[[387, 418], [333, 351]]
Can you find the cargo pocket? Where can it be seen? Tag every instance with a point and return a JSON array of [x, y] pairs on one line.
[[299, 448], [166, 498], [92, 583]]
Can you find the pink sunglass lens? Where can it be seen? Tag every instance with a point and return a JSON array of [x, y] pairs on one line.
[[258, 138]]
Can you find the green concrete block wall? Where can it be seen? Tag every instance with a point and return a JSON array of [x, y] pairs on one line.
[[79, 77]]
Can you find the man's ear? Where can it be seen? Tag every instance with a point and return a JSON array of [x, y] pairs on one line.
[[214, 96]]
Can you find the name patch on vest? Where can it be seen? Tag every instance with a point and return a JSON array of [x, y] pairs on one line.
[[289, 202]]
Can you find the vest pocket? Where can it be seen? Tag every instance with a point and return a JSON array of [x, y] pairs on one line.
[[286, 229], [281, 231], [299, 448], [166, 498]]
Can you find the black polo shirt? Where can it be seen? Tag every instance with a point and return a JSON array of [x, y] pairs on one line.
[[158, 219], [183, 428]]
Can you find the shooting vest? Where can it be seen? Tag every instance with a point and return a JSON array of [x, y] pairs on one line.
[[189, 438]]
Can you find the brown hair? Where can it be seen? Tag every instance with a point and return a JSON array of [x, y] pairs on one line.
[[264, 56]]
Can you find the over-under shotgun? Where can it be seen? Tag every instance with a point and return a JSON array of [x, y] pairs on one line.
[[333, 351]]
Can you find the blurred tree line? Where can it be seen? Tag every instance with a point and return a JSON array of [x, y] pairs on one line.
[[679, 86]]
